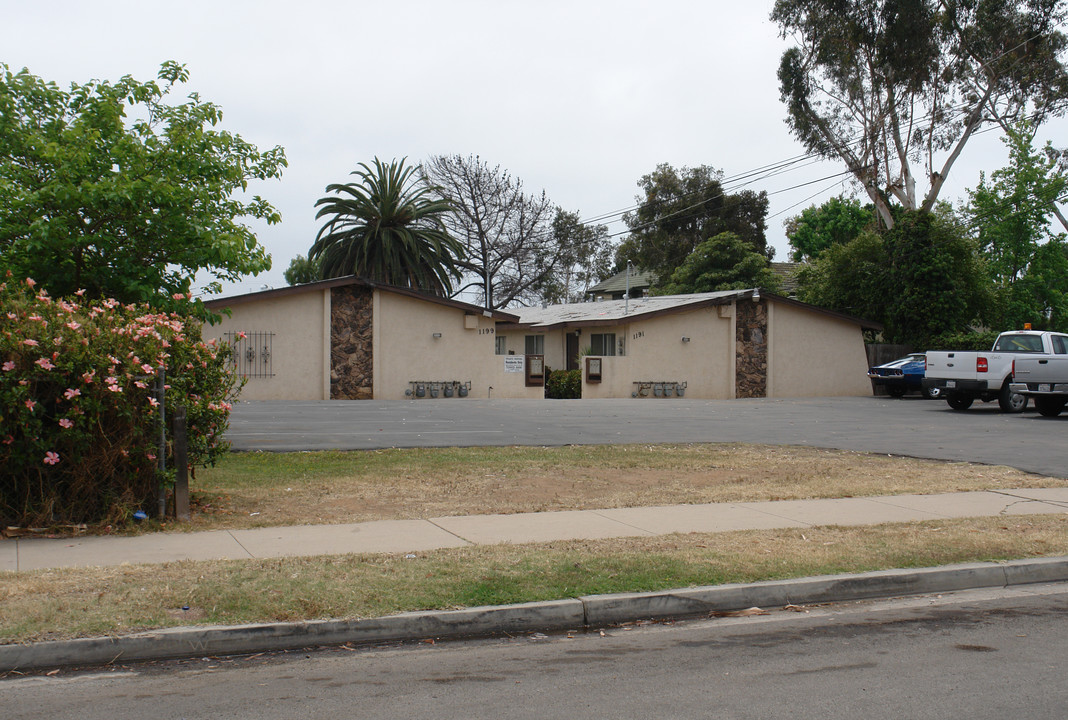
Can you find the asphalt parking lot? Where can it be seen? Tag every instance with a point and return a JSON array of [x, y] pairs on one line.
[[909, 426]]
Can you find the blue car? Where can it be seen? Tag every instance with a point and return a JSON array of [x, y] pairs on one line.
[[903, 375]]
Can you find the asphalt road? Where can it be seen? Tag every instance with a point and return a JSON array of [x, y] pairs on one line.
[[976, 654], [909, 426]]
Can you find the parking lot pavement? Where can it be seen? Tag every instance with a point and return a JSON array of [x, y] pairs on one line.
[[909, 426]]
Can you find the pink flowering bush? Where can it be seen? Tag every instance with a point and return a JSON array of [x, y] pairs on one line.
[[79, 416]]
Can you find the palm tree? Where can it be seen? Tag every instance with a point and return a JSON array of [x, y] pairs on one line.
[[388, 229]]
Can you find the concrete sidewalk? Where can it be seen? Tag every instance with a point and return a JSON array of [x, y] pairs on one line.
[[410, 536]]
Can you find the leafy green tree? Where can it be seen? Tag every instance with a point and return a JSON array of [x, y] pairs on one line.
[[1010, 215], [935, 281], [108, 188], [585, 258], [922, 279], [387, 227], [723, 262], [680, 209], [848, 277], [835, 222], [302, 270], [882, 85]]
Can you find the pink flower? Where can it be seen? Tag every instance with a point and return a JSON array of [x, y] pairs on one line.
[[9, 365], [44, 364], [73, 325], [72, 393], [148, 368], [65, 423], [79, 293], [31, 282], [31, 342], [88, 377], [153, 402], [140, 384], [51, 458], [114, 388], [31, 404]]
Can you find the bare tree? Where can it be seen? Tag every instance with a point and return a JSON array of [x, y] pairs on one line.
[[506, 233]]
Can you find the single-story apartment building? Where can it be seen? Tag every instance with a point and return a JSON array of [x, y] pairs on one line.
[[350, 338]]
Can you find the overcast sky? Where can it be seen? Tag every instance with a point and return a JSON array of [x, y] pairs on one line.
[[579, 98]]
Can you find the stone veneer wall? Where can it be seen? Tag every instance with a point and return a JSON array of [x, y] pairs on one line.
[[751, 348], [351, 332]]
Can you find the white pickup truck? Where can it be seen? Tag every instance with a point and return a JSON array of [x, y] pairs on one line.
[[963, 377], [1044, 379]]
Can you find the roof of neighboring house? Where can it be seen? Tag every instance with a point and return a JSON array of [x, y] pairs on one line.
[[786, 272], [618, 282], [218, 303], [614, 312]]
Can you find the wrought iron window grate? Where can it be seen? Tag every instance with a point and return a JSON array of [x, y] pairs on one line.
[[253, 353]]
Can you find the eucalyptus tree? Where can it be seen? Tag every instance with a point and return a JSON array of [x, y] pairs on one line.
[[387, 227], [895, 89]]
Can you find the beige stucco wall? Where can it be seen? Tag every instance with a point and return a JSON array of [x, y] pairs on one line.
[[809, 353], [298, 353], [655, 352], [515, 343], [406, 350], [814, 355]]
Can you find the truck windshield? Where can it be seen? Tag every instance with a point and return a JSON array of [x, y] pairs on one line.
[[1019, 344]]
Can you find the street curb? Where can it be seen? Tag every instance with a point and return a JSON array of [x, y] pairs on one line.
[[558, 615]]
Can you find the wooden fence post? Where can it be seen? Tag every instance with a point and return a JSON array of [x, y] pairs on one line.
[[181, 466]]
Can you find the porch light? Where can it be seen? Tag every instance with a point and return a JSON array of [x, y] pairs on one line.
[[685, 339], [437, 336]]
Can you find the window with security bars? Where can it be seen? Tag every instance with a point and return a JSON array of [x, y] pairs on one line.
[[253, 353]]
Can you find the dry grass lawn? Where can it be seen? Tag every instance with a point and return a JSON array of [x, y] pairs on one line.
[[260, 489], [82, 602], [249, 490]]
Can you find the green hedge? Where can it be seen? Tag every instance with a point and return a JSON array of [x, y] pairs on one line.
[[563, 384], [966, 341]]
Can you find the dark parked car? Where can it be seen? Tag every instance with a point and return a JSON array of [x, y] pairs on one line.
[[902, 375]]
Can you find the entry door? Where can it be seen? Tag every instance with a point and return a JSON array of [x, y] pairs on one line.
[[572, 351]]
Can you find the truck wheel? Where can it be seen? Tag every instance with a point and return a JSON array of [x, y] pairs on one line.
[[1009, 401], [1049, 406], [959, 402], [932, 393]]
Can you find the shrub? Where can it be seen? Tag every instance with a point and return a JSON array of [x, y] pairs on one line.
[[563, 384], [964, 341], [79, 419]]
